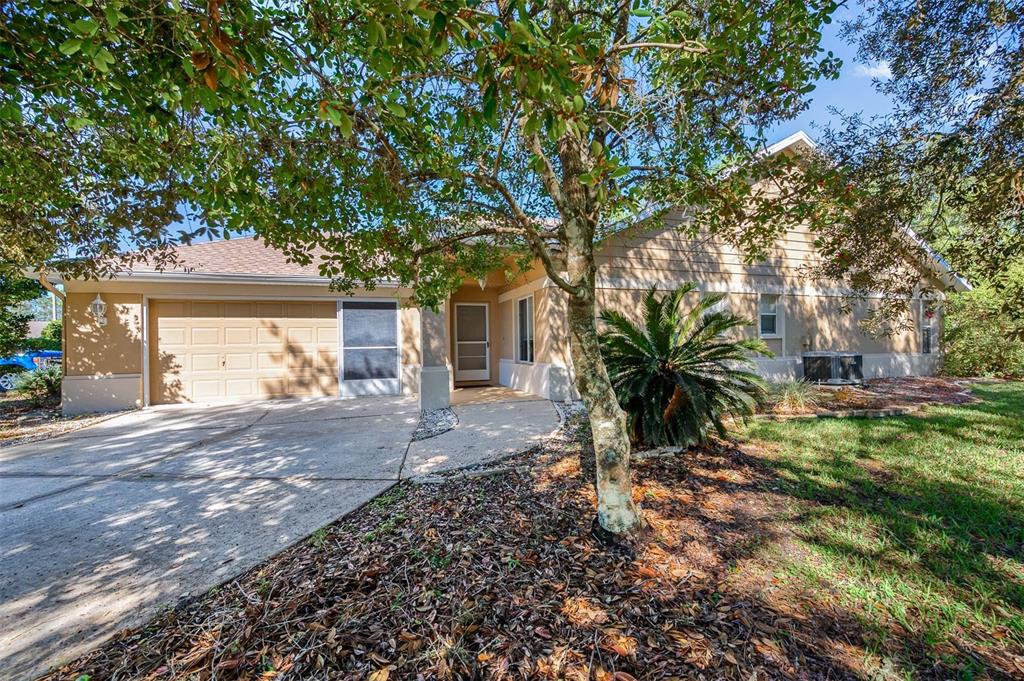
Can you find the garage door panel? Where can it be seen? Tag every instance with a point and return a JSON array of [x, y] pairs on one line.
[[239, 387], [269, 360], [205, 335], [268, 335], [206, 390], [325, 311], [202, 362], [238, 310], [272, 387], [174, 309], [212, 350], [234, 335], [171, 336], [269, 310], [236, 361], [298, 310], [302, 361], [300, 334]]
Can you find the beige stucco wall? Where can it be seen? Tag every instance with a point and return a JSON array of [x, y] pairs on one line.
[[105, 365], [507, 325], [551, 333], [819, 320], [103, 350]]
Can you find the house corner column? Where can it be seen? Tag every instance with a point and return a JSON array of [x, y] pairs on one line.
[[435, 374]]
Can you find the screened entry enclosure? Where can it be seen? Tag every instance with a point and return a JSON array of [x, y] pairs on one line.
[[472, 344], [370, 354]]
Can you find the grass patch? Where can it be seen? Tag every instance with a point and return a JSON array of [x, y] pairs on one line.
[[918, 522]]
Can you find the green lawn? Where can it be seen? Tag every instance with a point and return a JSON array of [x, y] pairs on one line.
[[917, 524]]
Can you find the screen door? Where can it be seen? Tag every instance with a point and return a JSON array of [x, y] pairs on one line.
[[472, 344]]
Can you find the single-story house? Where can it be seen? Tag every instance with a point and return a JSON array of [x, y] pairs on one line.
[[238, 321]]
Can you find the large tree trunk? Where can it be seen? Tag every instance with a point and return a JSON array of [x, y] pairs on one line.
[[616, 511], [577, 203]]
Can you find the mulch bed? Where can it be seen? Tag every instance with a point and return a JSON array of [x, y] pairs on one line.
[[21, 421], [883, 393], [886, 396], [500, 577]]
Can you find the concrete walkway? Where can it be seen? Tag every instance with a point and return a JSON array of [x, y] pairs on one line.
[[485, 431], [104, 526]]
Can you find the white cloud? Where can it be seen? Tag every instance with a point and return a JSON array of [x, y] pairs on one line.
[[878, 70]]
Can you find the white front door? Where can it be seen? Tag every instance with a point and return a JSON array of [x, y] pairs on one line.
[[472, 342], [370, 356]]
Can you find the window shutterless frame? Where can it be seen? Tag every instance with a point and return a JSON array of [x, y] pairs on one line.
[[928, 345], [371, 365], [524, 328], [769, 315]]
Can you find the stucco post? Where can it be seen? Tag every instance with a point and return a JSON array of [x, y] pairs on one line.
[[435, 374]]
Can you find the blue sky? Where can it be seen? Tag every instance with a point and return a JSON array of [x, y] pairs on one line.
[[852, 92]]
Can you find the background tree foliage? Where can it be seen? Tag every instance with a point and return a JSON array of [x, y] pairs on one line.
[[949, 160], [413, 141], [980, 339], [94, 159], [14, 318]]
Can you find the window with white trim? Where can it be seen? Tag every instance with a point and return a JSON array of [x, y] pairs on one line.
[[768, 322], [524, 330], [927, 331]]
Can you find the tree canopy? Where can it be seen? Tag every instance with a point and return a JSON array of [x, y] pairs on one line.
[[360, 127], [948, 160], [415, 141]]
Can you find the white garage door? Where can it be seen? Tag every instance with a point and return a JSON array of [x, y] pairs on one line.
[[205, 351]]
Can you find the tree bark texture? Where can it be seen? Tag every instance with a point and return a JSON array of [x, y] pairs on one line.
[[616, 511]]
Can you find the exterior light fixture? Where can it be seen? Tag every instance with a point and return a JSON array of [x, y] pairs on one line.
[[483, 282], [98, 309]]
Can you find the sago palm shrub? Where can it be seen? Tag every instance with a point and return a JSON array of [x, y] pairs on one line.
[[678, 374]]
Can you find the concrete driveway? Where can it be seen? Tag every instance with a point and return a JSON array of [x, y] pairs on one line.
[[102, 527]]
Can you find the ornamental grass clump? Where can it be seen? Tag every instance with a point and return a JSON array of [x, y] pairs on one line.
[[796, 396]]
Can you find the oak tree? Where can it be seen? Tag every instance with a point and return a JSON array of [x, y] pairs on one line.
[[426, 141]]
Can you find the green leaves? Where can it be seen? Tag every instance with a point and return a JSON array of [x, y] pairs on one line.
[[102, 59], [70, 46], [396, 109], [85, 27], [678, 374], [113, 15], [374, 32]]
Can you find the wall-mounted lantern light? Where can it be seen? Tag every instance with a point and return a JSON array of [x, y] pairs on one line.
[[483, 283], [98, 309]]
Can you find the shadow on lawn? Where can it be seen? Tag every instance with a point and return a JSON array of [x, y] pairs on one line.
[[922, 515]]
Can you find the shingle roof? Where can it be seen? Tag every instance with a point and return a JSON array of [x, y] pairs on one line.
[[239, 255]]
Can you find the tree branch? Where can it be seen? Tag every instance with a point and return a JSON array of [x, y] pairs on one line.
[[691, 46], [504, 139], [533, 236]]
